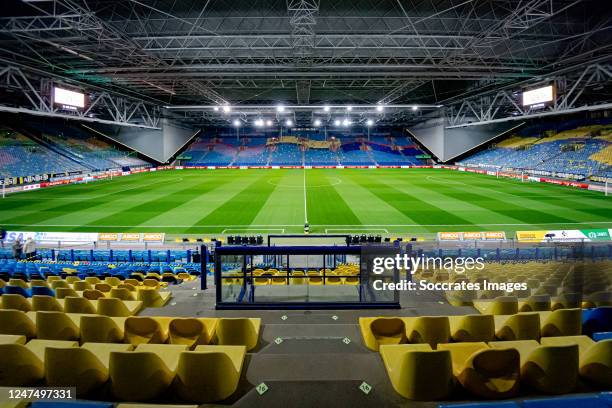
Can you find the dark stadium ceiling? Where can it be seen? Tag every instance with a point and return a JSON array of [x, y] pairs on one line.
[[186, 52]]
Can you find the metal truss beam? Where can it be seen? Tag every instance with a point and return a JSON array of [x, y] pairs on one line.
[[505, 104], [36, 98]]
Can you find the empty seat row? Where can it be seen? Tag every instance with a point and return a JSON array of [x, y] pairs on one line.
[[140, 373], [133, 330], [505, 305], [107, 306], [498, 369], [432, 330]]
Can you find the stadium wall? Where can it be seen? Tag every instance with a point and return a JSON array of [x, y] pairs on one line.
[[159, 145], [447, 144]]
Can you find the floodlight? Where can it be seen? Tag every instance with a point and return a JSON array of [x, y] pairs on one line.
[[317, 122], [289, 123], [326, 108], [337, 122], [216, 109], [259, 122], [280, 108], [268, 122], [379, 108], [346, 122], [236, 123], [369, 122], [349, 108], [415, 107], [227, 108]]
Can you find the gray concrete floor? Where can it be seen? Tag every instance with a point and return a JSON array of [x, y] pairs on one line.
[[312, 366]]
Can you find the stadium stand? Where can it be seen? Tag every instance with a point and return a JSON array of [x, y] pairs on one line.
[[582, 151], [309, 150]]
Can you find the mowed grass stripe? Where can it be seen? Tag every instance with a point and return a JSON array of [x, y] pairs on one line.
[[241, 208], [206, 202], [525, 209], [285, 205], [468, 210], [325, 205], [584, 201], [42, 215], [419, 210], [37, 200], [369, 208], [167, 201]]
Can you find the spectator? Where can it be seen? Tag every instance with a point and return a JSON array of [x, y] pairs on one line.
[[17, 248], [30, 249]]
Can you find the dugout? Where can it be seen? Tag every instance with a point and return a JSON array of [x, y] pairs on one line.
[[302, 277]]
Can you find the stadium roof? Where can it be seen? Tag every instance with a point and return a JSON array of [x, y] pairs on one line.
[[182, 52]]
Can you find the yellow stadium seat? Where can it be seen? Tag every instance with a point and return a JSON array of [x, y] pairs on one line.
[[428, 329], [502, 305], [333, 280], [418, 373], [561, 322], [93, 294], [238, 331], [46, 303], [122, 293], [595, 360], [315, 280], [92, 280], [151, 283], [15, 302], [153, 297], [17, 322], [102, 329], [535, 303], [117, 307], [132, 281], [57, 326], [62, 293], [210, 373], [145, 373], [189, 331], [18, 282], [596, 364], [127, 286], [23, 365], [142, 330], [82, 285], [485, 372], [521, 326], [12, 339], [77, 304], [376, 331], [52, 278], [566, 301], [38, 282], [184, 276], [85, 368], [547, 369], [113, 281], [59, 284], [472, 328], [103, 287], [71, 279]]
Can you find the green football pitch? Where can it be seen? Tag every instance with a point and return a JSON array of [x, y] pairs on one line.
[[375, 201]]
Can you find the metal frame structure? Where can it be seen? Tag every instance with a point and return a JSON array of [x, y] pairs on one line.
[[470, 56]]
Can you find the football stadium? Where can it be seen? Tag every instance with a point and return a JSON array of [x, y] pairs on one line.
[[305, 203]]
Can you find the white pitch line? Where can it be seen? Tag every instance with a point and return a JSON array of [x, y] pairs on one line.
[[313, 225], [305, 205], [243, 230], [353, 230]]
